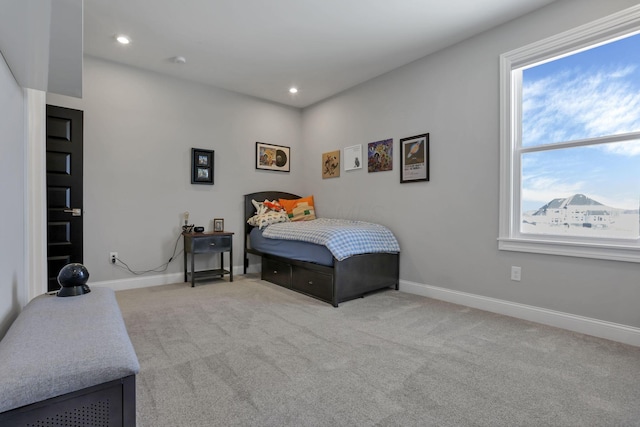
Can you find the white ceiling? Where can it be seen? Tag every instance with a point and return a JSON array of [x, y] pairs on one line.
[[263, 47]]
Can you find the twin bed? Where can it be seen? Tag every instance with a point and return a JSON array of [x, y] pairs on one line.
[[313, 269]]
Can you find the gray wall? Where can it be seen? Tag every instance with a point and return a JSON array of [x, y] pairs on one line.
[[12, 193], [139, 129], [448, 227]]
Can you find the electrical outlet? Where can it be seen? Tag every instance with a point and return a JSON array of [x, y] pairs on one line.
[[113, 256], [516, 273]]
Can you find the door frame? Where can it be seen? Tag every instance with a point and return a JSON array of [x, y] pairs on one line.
[[35, 200]]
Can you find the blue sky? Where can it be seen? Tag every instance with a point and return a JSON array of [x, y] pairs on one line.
[[589, 94]]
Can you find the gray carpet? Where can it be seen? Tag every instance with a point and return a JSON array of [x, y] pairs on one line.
[[250, 353]]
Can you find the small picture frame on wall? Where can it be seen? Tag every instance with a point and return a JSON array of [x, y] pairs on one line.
[[218, 225], [331, 164], [380, 156], [414, 158], [272, 157], [202, 166], [353, 157]]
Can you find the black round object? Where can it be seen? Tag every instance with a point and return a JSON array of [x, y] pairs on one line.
[[281, 158], [73, 278]]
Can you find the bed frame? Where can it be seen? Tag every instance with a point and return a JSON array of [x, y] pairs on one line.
[[347, 279]]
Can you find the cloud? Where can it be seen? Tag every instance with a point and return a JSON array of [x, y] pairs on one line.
[[578, 104], [630, 149]]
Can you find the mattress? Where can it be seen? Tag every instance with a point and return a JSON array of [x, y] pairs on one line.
[[343, 237], [292, 249]]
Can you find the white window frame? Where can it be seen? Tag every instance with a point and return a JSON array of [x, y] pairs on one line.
[[511, 63]]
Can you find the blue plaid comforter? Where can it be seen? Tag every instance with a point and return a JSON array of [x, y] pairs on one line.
[[342, 237]]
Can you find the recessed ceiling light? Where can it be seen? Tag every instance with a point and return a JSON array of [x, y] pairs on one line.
[[123, 39], [293, 90]]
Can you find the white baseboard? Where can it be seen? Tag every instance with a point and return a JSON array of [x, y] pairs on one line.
[[584, 325], [158, 280], [140, 282]]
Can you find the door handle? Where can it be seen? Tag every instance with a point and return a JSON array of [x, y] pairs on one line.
[[74, 211]]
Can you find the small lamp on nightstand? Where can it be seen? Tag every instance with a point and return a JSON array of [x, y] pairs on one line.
[[186, 227]]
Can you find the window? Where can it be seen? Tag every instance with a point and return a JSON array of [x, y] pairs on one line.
[[570, 142]]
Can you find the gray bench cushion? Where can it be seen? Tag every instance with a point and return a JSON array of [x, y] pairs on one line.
[[59, 345]]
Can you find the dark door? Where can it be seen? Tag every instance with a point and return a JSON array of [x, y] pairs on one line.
[[64, 190]]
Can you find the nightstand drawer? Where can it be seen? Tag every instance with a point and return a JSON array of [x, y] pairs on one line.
[[276, 272], [319, 285], [208, 244]]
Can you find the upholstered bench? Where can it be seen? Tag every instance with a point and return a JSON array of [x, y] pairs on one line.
[[68, 361]]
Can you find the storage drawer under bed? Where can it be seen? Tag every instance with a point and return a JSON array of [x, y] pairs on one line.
[[317, 284], [276, 272]]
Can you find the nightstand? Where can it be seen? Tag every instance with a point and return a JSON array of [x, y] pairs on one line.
[[207, 243]]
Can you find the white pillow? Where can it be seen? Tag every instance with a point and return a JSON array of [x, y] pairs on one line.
[[271, 217], [260, 207]]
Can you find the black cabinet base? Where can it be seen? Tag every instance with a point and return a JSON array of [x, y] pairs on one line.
[[108, 404]]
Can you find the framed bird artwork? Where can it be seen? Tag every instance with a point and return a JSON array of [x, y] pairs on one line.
[[414, 158]]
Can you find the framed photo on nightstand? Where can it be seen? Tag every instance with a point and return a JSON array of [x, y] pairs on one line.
[[218, 224]]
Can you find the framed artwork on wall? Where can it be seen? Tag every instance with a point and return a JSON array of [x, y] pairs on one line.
[[272, 157], [201, 166], [414, 158], [353, 157], [331, 164], [380, 156]]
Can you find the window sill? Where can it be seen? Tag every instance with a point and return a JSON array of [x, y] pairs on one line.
[[581, 250]]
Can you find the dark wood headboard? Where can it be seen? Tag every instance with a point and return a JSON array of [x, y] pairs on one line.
[[250, 210]]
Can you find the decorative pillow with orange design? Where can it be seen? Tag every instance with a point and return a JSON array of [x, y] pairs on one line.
[[268, 218], [274, 206], [299, 209], [267, 213]]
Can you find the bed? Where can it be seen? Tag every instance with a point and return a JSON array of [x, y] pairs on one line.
[[327, 279]]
